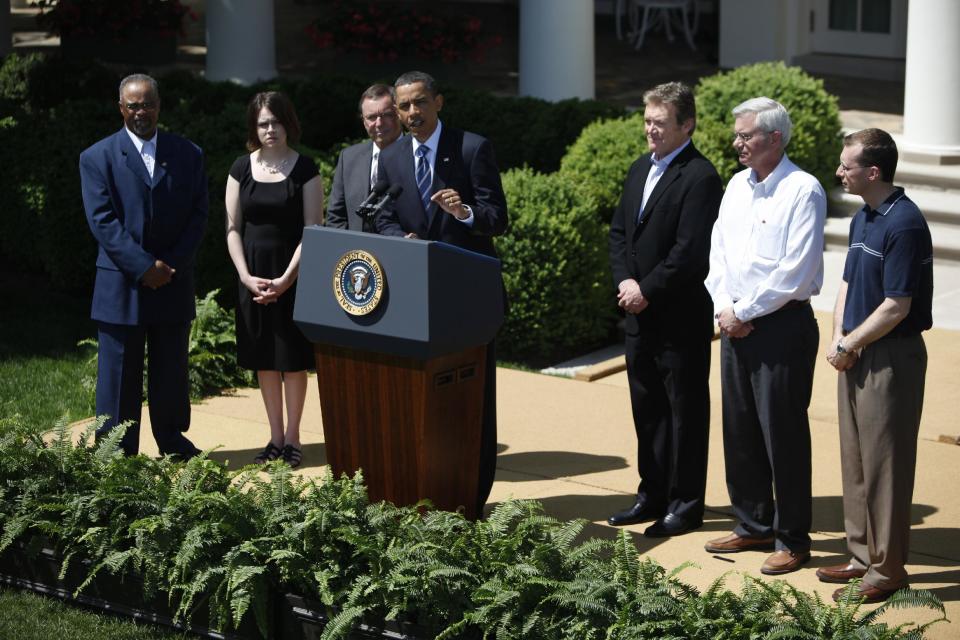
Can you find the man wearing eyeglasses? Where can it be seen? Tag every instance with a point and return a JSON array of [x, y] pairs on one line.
[[766, 261], [883, 305], [358, 165], [145, 197]]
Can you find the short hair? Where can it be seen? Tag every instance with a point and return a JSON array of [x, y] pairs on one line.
[[771, 116], [679, 95], [878, 150], [413, 77], [375, 92], [137, 78], [282, 109]]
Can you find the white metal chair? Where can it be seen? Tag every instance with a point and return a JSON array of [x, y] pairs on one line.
[[655, 12]]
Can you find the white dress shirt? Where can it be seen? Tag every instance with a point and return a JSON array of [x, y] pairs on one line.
[[657, 169], [146, 148], [432, 143], [767, 243], [374, 164]]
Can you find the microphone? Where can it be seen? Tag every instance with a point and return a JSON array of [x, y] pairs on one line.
[[378, 190], [391, 194]]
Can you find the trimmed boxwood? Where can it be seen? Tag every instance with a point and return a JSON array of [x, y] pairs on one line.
[[598, 161], [555, 268]]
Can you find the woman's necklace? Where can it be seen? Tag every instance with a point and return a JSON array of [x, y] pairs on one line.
[[272, 168]]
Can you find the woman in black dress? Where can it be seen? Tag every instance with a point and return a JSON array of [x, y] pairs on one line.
[[272, 193]]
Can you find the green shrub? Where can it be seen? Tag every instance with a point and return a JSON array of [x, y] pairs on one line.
[[815, 142], [524, 131], [555, 268], [59, 108], [598, 161], [197, 531]]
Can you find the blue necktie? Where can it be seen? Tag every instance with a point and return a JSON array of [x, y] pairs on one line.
[[423, 176]]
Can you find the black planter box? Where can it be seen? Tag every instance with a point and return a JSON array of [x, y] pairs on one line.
[[107, 593], [304, 619]]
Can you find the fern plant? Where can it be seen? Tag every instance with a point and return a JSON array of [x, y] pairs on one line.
[[229, 542]]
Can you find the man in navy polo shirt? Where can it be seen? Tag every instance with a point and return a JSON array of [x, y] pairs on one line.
[[883, 305]]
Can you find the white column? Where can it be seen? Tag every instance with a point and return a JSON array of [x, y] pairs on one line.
[[5, 36], [556, 49], [240, 41], [931, 124]]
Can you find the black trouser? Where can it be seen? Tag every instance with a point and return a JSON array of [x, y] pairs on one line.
[[767, 380], [670, 397]]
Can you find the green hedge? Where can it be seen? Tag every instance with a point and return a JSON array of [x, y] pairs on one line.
[[603, 153], [60, 107], [198, 530], [598, 161], [554, 255], [556, 269], [815, 142]]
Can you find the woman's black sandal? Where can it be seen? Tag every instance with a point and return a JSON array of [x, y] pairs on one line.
[[270, 453], [292, 456]]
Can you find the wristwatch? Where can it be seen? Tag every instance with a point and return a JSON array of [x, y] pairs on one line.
[[841, 350]]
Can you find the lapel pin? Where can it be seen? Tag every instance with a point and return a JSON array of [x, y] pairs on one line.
[[446, 159]]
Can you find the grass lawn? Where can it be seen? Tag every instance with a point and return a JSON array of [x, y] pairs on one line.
[[42, 369], [42, 374], [26, 616]]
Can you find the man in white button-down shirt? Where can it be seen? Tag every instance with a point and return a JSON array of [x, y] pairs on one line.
[[766, 260]]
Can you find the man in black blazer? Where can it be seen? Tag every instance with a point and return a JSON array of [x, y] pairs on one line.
[[452, 193], [357, 166], [145, 197], [659, 254]]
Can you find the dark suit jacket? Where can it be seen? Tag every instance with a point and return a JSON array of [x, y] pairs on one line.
[[668, 252], [351, 185], [464, 162], [136, 220]]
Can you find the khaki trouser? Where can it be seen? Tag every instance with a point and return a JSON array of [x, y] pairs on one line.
[[880, 402]]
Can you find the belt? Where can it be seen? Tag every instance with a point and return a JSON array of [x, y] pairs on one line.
[[795, 303]]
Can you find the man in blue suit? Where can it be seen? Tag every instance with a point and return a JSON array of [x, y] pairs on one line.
[[452, 193], [145, 198]]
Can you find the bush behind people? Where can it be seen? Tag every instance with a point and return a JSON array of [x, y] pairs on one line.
[[554, 255], [555, 269]]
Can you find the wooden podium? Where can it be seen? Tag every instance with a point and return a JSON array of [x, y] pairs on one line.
[[401, 379]]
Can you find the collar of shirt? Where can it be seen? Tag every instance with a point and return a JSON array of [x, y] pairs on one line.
[[887, 204], [138, 142], [432, 142], [769, 184], [663, 163]]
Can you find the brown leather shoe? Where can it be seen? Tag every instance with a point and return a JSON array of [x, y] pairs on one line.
[[868, 592], [734, 544], [840, 573], [783, 561]]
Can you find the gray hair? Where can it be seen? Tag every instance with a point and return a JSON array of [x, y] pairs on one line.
[[140, 78], [771, 116]]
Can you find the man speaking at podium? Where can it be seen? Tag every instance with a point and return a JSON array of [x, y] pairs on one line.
[[451, 193]]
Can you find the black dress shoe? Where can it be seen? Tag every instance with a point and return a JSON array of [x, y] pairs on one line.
[[671, 525], [641, 511]]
